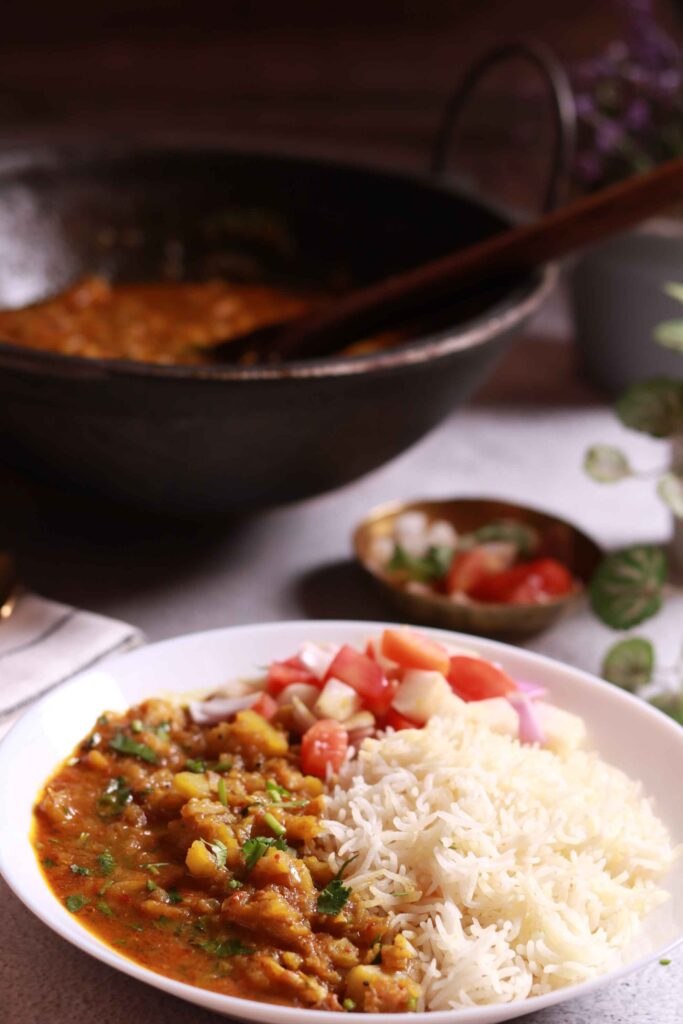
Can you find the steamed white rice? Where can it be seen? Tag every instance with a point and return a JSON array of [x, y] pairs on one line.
[[510, 869]]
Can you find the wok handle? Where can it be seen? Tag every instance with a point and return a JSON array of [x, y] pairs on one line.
[[561, 95]]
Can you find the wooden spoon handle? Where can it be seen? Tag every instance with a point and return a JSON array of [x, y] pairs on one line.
[[516, 251]]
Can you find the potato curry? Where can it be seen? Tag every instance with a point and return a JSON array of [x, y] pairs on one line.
[[196, 851]]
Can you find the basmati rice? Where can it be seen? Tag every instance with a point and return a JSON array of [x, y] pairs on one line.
[[511, 870]]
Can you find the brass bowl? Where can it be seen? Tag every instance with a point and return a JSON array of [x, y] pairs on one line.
[[561, 540]]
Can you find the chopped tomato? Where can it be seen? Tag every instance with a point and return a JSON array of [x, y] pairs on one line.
[[265, 706], [365, 676], [412, 650], [398, 721], [476, 679], [527, 583], [284, 673], [325, 743], [470, 568]]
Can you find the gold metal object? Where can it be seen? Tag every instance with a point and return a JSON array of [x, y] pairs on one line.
[[8, 585], [560, 540]]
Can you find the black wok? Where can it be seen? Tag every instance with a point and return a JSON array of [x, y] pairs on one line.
[[195, 440]]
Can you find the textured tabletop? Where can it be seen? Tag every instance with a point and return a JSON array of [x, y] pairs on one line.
[[293, 562]]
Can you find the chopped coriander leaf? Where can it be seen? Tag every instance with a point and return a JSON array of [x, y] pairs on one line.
[[173, 896], [123, 744], [103, 720], [235, 883], [276, 792], [220, 766], [377, 959], [162, 730], [274, 825], [349, 1004], [432, 566], [230, 947], [107, 885], [134, 927], [222, 794], [136, 725], [255, 848], [106, 863], [114, 798], [120, 942], [104, 908], [151, 885], [219, 851], [76, 902], [154, 868], [195, 765], [78, 870], [665, 963], [334, 896], [49, 863]]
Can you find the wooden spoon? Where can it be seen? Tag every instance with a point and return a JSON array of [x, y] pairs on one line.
[[510, 253]]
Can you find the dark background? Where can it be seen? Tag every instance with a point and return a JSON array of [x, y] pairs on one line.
[[354, 78]]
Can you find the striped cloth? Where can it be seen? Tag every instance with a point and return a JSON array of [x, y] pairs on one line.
[[44, 643]]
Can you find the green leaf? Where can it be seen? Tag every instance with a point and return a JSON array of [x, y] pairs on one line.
[[255, 848], [114, 798], [333, 897], [49, 863], [123, 744], [606, 464], [670, 334], [670, 490], [106, 863], [432, 566], [229, 947], [195, 765], [671, 704], [653, 407], [104, 908], [219, 851], [76, 869], [76, 902], [524, 537], [674, 290], [629, 663], [173, 896], [627, 586]]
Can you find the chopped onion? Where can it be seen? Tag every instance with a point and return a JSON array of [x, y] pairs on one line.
[[531, 690], [530, 730], [303, 717], [219, 709], [317, 657]]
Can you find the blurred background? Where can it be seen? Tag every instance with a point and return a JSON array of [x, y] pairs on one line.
[[364, 79]]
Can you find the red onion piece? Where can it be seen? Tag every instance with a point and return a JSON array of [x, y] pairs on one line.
[[219, 709], [530, 730], [531, 690]]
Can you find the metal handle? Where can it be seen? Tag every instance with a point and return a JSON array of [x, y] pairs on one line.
[[564, 111]]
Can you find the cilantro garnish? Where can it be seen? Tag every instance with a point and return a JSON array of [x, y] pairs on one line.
[[76, 902], [229, 947], [255, 848], [195, 765], [219, 851], [106, 863], [151, 886], [432, 566], [173, 896], [276, 792], [114, 798], [104, 908], [123, 744], [49, 863], [335, 894], [78, 870], [154, 868]]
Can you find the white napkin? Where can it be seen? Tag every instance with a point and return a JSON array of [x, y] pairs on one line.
[[44, 643]]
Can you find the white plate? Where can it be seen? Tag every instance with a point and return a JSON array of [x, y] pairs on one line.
[[627, 733]]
